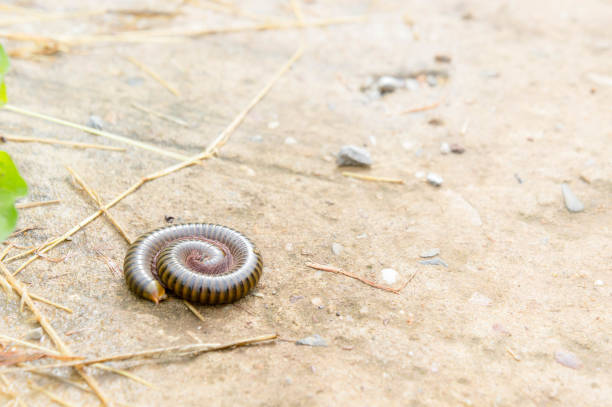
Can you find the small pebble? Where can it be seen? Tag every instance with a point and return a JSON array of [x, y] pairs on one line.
[[289, 247], [363, 310], [96, 122], [295, 298], [353, 156], [317, 302], [457, 149], [480, 299], [419, 174], [412, 84], [435, 122], [445, 148], [572, 203], [35, 334], [434, 179], [257, 138], [290, 141], [430, 253], [518, 178], [443, 59], [407, 145], [314, 340], [389, 276], [388, 84], [434, 368], [273, 125], [598, 283], [372, 140], [432, 80], [337, 248], [568, 359], [434, 262]]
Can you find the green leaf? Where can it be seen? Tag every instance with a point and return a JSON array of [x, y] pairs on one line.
[[4, 62], [12, 186], [4, 66]]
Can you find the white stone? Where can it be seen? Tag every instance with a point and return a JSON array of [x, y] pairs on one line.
[[389, 276]]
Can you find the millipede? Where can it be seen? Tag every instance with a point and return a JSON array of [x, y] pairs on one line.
[[199, 262]]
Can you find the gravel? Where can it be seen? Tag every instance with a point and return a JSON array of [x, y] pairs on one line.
[[96, 122], [572, 203], [445, 148], [313, 340], [434, 262], [568, 359], [434, 179], [353, 156], [336, 248], [388, 84], [430, 253], [389, 276], [457, 148]]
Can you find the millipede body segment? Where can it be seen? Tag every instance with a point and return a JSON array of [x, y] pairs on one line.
[[200, 262]]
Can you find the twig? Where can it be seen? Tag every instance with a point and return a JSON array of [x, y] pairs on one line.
[[182, 350], [52, 396], [331, 269], [91, 130], [93, 195], [372, 178], [42, 320], [421, 108], [514, 355], [207, 153], [27, 205], [19, 139], [194, 310], [161, 115], [153, 75], [22, 230]]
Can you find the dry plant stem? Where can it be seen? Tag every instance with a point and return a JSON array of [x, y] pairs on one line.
[[372, 178], [331, 269], [19, 139], [93, 195], [52, 396], [194, 310], [213, 147], [27, 205], [421, 108], [161, 115], [42, 320], [97, 132], [183, 350], [153, 75], [124, 374], [49, 17], [297, 10]]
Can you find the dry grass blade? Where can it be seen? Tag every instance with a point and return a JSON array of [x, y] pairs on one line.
[[194, 310], [210, 150], [161, 115], [52, 396], [49, 17], [110, 264], [124, 374], [372, 178], [421, 108], [173, 351], [44, 323], [97, 132], [153, 75], [27, 205], [94, 195], [19, 139], [371, 283], [297, 11]]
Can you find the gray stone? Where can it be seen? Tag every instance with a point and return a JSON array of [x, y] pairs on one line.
[[35, 334], [430, 253], [568, 359], [434, 179], [388, 84], [336, 248], [314, 340], [572, 203], [434, 262], [96, 122], [353, 156]]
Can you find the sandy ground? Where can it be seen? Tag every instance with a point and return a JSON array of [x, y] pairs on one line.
[[528, 96]]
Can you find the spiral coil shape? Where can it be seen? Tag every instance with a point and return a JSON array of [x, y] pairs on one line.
[[200, 262]]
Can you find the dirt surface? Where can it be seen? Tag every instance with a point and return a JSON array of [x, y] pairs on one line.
[[528, 284]]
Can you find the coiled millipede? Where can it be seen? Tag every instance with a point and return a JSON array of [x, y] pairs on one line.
[[200, 262]]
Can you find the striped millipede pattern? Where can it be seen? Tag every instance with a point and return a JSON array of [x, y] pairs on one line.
[[200, 262]]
